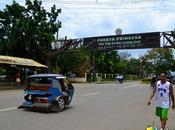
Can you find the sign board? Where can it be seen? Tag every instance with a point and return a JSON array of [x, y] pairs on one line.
[[128, 41]]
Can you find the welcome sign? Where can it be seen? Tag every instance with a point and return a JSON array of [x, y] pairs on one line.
[[128, 41]]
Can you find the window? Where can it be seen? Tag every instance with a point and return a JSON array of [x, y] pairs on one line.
[[56, 84], [40, 81]]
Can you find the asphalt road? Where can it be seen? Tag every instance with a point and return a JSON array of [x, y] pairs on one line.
[[95, 107]]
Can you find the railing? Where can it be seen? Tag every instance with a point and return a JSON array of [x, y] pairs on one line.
[[110, 77]]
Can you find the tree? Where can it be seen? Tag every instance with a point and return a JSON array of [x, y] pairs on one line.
[[30, 30], [133, 66], [124, 55], [157, 60], [121, 67], [9, 21], [112, 62], [78, 62], [105, 62]]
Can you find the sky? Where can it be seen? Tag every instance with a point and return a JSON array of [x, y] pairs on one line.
[[86, 18]]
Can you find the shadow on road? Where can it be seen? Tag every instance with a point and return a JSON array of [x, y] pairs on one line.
[[68, 108]]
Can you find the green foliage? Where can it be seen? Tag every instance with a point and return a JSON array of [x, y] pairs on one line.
[[78, 62], [122, 67], [114, 62], [157, 60], [133, 66], [29, 30], [9, 20], [146, 80], [2, 71], [105, 62]]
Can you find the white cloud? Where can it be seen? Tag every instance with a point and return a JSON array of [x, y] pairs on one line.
[[82, 18], [131, 18], [163, 22]]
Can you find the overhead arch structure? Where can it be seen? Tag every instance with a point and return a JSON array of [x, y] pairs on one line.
[[118, 42]]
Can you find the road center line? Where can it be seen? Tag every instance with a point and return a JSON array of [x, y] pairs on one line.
[[8, 109], [89, 94]]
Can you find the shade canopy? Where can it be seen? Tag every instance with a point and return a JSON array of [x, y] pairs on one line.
[[20, 61]]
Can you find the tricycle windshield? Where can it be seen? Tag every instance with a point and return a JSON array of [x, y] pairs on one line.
[[40, 81]]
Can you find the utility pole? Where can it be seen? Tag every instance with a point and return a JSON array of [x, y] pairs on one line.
[[94, 69]]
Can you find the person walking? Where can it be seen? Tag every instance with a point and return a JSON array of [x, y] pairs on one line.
[[153, 82], [164, 96]]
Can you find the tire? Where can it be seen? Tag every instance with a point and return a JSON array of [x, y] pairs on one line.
[[60, 104]]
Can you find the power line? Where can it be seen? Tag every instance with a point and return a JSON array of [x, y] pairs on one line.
[[99, 5], [121, 4], [86, 10], [117, 8], [111, 3]]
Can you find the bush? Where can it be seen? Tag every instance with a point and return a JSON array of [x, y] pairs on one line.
[[146, 80], [131, 77]]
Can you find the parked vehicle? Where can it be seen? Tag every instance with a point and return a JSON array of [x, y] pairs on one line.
[[48, 92]]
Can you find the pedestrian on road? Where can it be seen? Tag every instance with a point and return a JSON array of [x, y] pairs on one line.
[[153, 82], [163, 92]]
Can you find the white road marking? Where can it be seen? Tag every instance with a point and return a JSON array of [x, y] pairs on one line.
[[90, 94], [8, 109], [128, 87]]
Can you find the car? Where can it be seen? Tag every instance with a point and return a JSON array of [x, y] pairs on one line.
[[47, 92]]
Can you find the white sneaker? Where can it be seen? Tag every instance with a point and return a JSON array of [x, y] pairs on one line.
[[164, 129]]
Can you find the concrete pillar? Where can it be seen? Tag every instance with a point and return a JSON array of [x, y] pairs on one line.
[[105, 76], [96, 76], [85, 76]]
